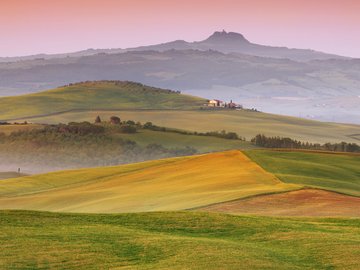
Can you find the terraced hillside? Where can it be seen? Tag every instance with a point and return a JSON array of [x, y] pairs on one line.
[[169, 184], [95, 95]]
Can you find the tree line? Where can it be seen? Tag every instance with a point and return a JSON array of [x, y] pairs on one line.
[[284, 142]]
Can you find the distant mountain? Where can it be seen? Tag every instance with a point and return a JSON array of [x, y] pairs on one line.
[[322, 89], [226, 42], [230, 42], [285, 81], [44, 56]]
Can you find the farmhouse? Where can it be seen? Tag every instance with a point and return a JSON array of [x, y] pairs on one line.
[[216, 103]]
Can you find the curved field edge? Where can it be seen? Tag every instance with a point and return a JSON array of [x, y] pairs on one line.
[[303, 202], [323, 170], [169, 184], [176, 240]]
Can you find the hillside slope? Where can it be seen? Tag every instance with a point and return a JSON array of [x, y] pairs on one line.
[[169, 184], [331, 171], [245, 123], [96, 95], [304, 202]]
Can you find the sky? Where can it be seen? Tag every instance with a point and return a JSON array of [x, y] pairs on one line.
[[54, 26]]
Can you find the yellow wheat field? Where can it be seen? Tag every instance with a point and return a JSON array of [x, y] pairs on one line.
[[169, 184]]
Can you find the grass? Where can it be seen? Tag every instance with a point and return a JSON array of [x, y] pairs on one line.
[[245, 123], [95, 95], [6, 175], [163, 185], [175, 240], [335, 172], [7, 129], [202, 144], [133, 101]]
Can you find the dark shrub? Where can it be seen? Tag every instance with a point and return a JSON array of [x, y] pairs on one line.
[[128, 129], [115, 120]]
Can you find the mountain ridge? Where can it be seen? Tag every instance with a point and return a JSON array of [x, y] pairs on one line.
[[222, 41]]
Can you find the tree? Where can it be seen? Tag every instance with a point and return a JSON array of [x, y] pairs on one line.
[[98, 120], [115, 120]]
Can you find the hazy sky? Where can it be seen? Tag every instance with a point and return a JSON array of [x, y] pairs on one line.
[[51, 26]]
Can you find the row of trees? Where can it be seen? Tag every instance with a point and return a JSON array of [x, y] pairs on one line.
[[283, 142], [130, 126], [130, 84], [219, 134]]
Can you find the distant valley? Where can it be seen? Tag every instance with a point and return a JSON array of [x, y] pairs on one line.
[[302, 83]]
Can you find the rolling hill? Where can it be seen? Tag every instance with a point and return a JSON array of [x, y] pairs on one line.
[[325, 90], [43, 148], [304, 202], [331, 171], [96, 95], [169, 184], [133, 101], [217, 181], [246, 123]]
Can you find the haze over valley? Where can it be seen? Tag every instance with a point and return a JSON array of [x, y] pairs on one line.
[[167, 145], [302, 83]]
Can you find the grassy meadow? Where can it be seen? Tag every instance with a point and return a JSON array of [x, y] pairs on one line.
[[98, 95], [175, 240], [133, 101], [162, 185], [331, 171], [202, 144], [246, 123], [8, 129], [113, 217]]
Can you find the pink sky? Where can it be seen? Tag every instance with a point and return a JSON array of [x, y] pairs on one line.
[[52, 26]]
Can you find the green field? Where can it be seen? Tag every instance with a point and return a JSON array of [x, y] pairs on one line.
[[133, 101], [335, 172], [202, 144], [175, 240], [7, 129], [245, 123], [95, 95]]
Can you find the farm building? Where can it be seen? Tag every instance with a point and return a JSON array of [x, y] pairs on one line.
[[216, 103]]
